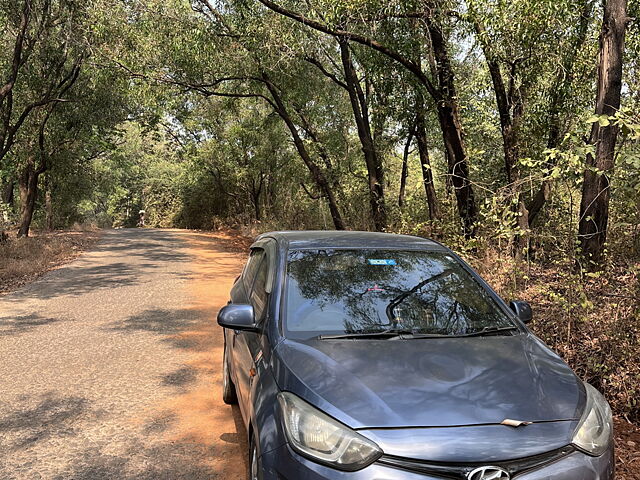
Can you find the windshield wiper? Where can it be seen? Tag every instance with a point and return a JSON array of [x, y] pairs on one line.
[[409, 335], [487, 331], [390, 333]]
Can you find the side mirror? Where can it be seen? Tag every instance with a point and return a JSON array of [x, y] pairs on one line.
[[238, 317], [522, 310]]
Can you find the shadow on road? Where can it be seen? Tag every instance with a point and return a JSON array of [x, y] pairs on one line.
[[160, 321], [181, 378], [176, 327], [52, 415], [15, 325]]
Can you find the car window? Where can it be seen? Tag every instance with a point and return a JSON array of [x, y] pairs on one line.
[[250, 270], [352, 291], [259, 293]]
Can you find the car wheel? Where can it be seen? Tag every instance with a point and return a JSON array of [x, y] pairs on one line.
[[228, 388], [255, 467]]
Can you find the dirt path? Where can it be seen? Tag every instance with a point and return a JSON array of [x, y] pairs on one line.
[[111, 365]]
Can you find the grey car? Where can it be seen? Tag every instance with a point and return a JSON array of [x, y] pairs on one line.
[[370, 356]]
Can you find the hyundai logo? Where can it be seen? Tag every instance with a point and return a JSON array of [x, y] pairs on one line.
[[488, 473]]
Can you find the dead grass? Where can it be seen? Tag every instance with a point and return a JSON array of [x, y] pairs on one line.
[[627, 450], [25, 259]]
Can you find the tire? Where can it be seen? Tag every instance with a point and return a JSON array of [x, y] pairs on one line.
[[255, 466], [228, 388]]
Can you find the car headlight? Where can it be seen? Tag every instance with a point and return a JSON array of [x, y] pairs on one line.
[[323, 439], [595, 430]]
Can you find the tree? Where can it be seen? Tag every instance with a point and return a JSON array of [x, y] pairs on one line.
[[425, 162], [359, 100], [558, 108], [441, 87], [35, 35], [596, 189], [522, 59], [38, 160], [42, 41]]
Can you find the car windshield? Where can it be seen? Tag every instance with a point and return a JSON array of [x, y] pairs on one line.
[[334, 292]]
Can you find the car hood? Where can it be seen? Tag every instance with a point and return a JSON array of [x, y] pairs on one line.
[[431, 382]]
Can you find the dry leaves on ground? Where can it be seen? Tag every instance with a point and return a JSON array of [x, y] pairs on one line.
[[22, 260]]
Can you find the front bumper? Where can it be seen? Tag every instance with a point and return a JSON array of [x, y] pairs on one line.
[[285, 464]]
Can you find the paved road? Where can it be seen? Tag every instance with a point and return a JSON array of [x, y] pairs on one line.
[[109, 366]]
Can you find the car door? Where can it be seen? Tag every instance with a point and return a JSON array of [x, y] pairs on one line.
[[247, 344]]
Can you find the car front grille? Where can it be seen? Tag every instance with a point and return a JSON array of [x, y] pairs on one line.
[[460, 470]]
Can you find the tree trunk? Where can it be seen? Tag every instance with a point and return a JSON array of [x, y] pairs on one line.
[[48, 202], [256, 206], [594, 207], [316, 172], [375, 171], [510, 105], [560, 92], [458, 168], [511, 145], [7, 192], [256, 190], [539, 199], [449, 118], [425, 163], [405, 166], [255, 200], [28, 186], [421, 126]]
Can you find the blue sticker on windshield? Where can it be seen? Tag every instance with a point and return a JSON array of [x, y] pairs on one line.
[[379, 261]]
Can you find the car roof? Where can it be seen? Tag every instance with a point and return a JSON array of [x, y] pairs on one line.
[[313, 239]]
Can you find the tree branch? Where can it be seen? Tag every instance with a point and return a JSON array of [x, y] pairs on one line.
[[361, 39], [17, 51], [311, 196], [325, 72]]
